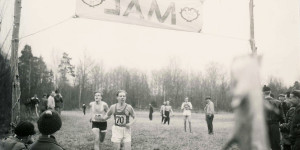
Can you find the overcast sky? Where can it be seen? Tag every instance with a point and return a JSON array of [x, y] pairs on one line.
[[225, 36]]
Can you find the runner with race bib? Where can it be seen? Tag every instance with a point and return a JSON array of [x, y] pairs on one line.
[[99, 126], [121, 130], [187, 107]]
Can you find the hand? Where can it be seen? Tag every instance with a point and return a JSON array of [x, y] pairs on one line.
[[90, 119], [281, 125], [165, 116], [128, 125]]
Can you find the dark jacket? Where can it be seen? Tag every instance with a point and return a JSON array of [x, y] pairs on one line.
[[285, 127], [58, 100], [151, 109], [295, 125], [45, 143], [271, 116], [12, 143], [285, 108]]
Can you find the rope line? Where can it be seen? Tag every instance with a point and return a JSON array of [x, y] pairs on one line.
[[47, 28]]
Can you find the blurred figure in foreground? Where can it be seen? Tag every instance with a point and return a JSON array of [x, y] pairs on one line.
[[48, 123], [23, 132]]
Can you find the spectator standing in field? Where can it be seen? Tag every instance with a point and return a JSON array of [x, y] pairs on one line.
[[58, 101], [187, 107], [28, 107], [273, 119], [35, 104], [98, 110], [23, 132], [295, 124], [162, 109], [209, 114], [48, 123], [286, 126], [284, 104], [43, 103], [83, 108], [168, 111], [51, 101], [150, 111], [121, 130]]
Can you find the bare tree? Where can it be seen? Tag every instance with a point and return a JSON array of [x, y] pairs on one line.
[[84, 69], [97, 76], [276, 85], [213, 74]]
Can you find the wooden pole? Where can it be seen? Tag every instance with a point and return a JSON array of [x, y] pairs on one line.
[[252, 40], [16, 92]]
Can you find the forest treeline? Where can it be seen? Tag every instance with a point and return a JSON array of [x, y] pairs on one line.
[[77, 82]]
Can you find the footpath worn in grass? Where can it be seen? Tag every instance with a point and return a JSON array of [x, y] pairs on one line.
[[76, 133]]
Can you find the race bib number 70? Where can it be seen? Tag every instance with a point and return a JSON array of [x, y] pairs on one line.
[[120, 120]]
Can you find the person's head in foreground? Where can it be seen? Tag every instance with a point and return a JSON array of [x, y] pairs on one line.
[[23, 132], [48, 123]]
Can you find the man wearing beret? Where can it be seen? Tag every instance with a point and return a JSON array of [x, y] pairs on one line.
[[295, 125], [273, 119], [22, 137], [209, 114]]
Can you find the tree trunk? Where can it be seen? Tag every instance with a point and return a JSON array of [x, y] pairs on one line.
[[16, 92], [79, 99]]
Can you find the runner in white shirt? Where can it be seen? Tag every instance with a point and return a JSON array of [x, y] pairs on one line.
[[98, 110], [187, 107]]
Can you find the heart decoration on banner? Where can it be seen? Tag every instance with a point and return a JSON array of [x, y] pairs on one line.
[[93, 3], [189, 14]]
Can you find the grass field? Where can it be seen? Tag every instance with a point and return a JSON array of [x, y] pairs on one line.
[[76, 133]]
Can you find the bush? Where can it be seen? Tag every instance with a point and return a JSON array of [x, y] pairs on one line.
[[5, 95]]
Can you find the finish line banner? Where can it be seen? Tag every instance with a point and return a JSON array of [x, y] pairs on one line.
[[183, 15]]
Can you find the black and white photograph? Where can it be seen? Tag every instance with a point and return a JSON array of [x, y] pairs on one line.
[[149, 74]]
